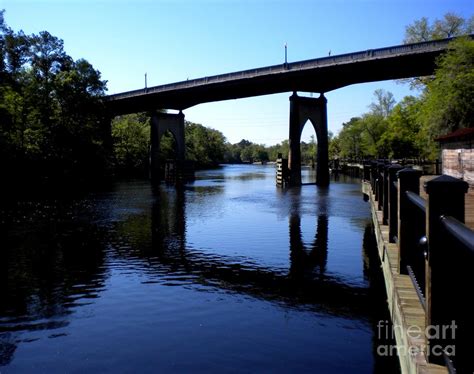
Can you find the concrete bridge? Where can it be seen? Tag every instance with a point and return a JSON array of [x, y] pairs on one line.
[[317, 75]]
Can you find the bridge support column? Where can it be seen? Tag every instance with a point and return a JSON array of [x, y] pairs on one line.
[[303, 109], [160, 123]]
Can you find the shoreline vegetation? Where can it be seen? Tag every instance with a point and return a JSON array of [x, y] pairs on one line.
[[54, 131]]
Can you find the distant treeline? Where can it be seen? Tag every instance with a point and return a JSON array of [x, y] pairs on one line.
[[206, 147]]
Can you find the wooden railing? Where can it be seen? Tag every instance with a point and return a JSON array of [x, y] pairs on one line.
[[435, 249], [432, 167]]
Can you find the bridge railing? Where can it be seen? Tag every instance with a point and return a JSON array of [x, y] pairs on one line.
[[392, 51], [436, 249]]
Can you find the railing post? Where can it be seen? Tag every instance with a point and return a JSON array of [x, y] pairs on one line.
[[445, 197], [386, 194], [408, 180], [367, 172], [380, 169], [393, 202], [373, 178]]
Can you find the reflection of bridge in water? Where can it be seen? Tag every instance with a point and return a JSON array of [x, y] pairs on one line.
[[305, 282]]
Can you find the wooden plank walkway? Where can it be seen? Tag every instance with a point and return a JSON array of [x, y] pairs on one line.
[[404, 305], [469, 200]]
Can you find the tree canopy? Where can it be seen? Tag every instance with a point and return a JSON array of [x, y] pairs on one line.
[[450, 25], [449, 98], [422, 30], [52, 121], [408, 129]]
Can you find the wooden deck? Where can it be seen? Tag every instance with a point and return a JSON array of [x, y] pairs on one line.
[[404, 305], [469, 200]]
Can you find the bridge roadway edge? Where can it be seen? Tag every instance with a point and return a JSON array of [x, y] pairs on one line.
[[404, 305]]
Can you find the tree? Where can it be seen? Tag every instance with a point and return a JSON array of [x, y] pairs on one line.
[[334, 148], [131, 138], [422, 30], [280, 148], [384, 103], [259, 153], [350, 139], [451, 25], [204, 146], [308, 151], [402, 136], [52, 119], [449, 98]]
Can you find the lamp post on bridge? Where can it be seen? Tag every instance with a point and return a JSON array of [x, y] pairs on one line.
[[286, 53]]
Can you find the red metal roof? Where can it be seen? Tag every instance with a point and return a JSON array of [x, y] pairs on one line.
[[459, 134]]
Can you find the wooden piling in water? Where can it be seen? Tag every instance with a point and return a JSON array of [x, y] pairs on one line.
[[282, 172]]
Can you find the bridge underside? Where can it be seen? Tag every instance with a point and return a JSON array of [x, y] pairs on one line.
[[282, 78]]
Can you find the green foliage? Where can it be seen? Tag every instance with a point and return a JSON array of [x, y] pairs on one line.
[[386, 131], [349, 140], [384, 103], [402, 137], [409, 129], [204, 146], [422, 30], [308, 151], [248, 152], [131, 138], [450, 25], [52, 124], [449, 98]]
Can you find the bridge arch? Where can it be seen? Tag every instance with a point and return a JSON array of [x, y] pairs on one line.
[[302, 110], [162, 123]]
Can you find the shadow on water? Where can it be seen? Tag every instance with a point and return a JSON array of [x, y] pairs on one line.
[[49, 265], [379, 313]]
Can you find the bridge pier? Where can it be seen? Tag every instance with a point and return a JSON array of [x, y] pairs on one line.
[[301, 110], [160, 123]]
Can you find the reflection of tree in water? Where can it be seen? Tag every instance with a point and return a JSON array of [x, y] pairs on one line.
[[7, 348], [48, 265]]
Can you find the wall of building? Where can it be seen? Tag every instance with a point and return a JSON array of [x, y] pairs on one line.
[[458, 160]]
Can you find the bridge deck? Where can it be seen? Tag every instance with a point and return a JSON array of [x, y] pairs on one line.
[[316, 75]]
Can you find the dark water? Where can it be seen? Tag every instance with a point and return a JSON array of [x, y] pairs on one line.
[[229, 274]]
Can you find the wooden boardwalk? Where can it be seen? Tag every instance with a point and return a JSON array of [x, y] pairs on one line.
[[469, 200], [403, 302]]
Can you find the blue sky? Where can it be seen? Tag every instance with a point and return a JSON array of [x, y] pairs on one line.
[[172, 40]]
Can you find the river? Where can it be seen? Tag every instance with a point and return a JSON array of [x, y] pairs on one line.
[[228, 274]]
